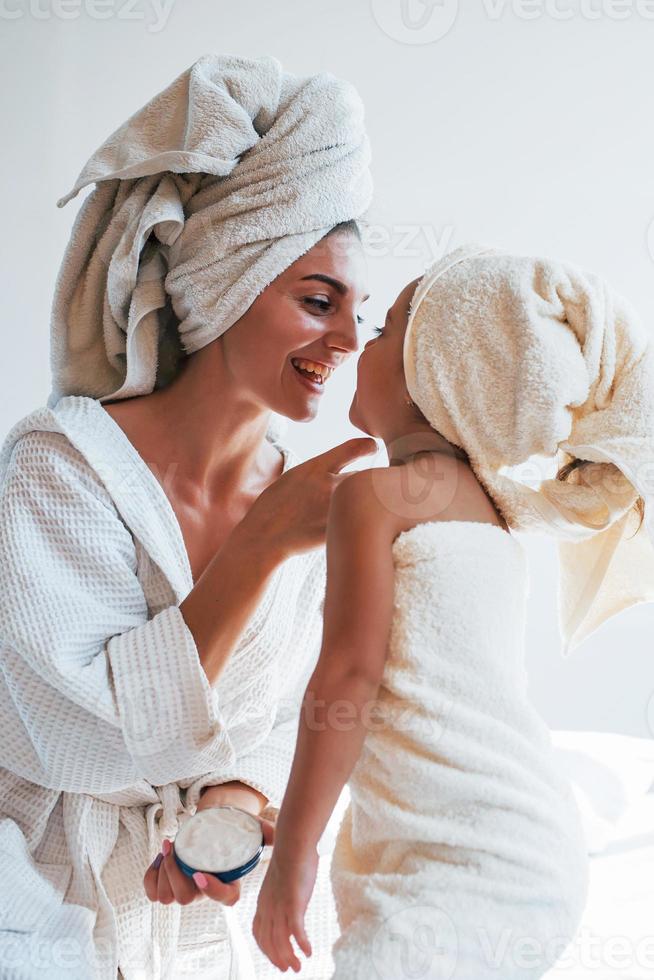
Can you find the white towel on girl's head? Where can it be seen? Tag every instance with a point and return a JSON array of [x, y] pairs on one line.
[[512, 357], [204, 196]]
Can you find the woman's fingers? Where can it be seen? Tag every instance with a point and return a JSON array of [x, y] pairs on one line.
[[151, 878], [340, 456], [268, 828], [228, 893], [165, 882], [164, 891], [291, 514], [183, 888]]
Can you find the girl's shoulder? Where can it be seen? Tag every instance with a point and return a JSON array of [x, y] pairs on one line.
[[426, 488]]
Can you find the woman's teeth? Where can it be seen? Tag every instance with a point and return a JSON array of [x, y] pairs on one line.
[[310, 369]]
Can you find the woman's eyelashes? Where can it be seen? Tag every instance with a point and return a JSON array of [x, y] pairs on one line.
[[319, 303], [378, 331], [324, 305]]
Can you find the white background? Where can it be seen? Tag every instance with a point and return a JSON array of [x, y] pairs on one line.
[[529, 127]]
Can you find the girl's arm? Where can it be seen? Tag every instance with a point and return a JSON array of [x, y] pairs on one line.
[[345, 682], [335, 710]]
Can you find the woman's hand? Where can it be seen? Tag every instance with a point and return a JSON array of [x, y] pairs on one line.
[[233, 793], [165, 882], [281, 907], [291, 514], [289, 517]]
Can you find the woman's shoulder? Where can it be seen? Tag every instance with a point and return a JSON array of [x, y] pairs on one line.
[[55, 509], [45, 460]]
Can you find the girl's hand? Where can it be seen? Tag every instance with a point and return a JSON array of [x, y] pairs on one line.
[[165, 882], [281, 908]]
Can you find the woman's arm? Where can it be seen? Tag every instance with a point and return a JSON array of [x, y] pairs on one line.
[[108, 694], [221, 603], [343, 687], [264, 768]]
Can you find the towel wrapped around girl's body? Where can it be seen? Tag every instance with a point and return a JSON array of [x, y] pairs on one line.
[[461, 854]]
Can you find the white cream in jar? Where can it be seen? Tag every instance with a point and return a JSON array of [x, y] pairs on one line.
[[221, 840]]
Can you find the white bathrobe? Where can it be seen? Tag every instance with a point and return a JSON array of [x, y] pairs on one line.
[[461, 855], [110, 727]]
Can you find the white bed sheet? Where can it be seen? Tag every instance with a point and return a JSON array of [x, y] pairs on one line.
[[615, 940]]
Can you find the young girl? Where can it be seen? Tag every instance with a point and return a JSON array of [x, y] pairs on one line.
[[461, 854]]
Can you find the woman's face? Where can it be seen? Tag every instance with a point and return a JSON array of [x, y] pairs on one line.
[[379, 402], [302, 327]]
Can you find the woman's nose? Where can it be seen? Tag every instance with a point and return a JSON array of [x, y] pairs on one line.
[[346, 337]]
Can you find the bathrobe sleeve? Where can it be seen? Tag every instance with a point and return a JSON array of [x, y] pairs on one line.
[[267, 767], [106, 695]]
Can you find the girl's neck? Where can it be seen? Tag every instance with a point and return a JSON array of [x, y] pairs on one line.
[[404, 446]]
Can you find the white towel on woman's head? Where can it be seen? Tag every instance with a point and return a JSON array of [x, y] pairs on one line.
[[204, 196], [512, 357]]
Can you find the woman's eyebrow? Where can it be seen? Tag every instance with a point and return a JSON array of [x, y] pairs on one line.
[[339, 286]]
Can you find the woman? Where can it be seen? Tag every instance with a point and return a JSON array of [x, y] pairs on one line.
[[161, 573]]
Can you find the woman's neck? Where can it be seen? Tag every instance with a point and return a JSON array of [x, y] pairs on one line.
[[200, 426]]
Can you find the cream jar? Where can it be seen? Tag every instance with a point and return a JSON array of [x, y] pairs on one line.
[[224, 841]]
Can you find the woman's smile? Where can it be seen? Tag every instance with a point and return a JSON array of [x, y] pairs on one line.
[[313, 374]]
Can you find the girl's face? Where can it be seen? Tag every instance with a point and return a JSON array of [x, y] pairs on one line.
[[300, 329], [379, 403]]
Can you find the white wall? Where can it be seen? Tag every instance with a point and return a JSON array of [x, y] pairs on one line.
[[515, 127]]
